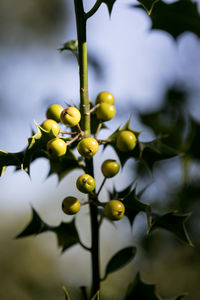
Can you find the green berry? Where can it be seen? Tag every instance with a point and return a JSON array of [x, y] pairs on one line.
[[105, 97], [54, 111], [114, 210], [88, 147], [51, 126], [110, 168], [70, 116], [126, 141], [71, 205], [105, 112], [85, 183], [56, 147]]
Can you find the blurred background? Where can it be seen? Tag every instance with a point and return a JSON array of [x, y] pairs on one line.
[[152, 77]]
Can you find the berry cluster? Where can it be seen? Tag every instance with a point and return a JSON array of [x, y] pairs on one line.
[[87, 147]]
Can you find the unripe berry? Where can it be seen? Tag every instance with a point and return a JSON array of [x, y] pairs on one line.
[[51, 126], [105, 112], [54, 111], [56, 147], [85, 183], [88, 147], [71, 205], [105, 97], [70, 116], [110, 168], [114, 210], [126, 141]]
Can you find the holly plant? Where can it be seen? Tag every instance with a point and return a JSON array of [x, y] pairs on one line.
[[69, 139]]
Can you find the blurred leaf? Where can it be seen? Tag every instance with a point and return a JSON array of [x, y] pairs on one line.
[[141, 290], [133, 206], [119, 260], [63, 165], [176, 18], [10, 159], [173, 222], [192, 145], [109, 4], [154, 151], [180, 297], [148, 4], [35, 226], [66, 293], [67, 234]]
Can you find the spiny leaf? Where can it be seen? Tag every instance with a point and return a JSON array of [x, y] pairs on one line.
[[109, 4], [67, 234], [120, 194], [173, 222], [148, 4], [36, 146], [119, 260], [63, 165], [66, 293], [176, 18], [154, 151], [35, 226], [141, 290], [10, 159], [133, 206]]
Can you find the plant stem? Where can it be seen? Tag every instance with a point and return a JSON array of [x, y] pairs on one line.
[[85, 126]]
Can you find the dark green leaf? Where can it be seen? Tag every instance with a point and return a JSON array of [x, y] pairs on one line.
[[66, 293], [176, 18], [140, 290], [119, 260], [154, 151], [63, 165], [120, 194], [133, 206], [173, 222], [192, 145], [180, 297], [36, 226], [148, 4], [10, 159], [36, 147], [67, 234], [109, 4]]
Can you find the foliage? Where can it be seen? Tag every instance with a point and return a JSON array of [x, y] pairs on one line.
[[168, 124]]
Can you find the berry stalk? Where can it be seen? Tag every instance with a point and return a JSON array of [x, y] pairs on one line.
[[85, 126]]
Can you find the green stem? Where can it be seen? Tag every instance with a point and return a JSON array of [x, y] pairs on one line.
[[93, 10], [85, 126]]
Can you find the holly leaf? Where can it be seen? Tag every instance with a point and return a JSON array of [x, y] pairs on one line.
[[175, 18], [63, 165], [173, 222], [67, 234], [36, 146], [109, 4], [10, 159], [192, 147], [138, 289], [148, 5], [133, 206], [35, 226], [119, 260], [154, 151], [120, 194]]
